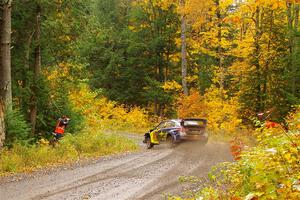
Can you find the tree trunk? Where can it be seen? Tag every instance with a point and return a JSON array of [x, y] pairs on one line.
[[266, 69], [36, 69], [27, 52], [183, 52], [2, 124], [292, 45], [296, 23], [5, 56], [256, 60], [295, 50], [219, 50]]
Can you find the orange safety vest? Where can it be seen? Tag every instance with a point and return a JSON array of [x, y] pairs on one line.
[[59, 129]]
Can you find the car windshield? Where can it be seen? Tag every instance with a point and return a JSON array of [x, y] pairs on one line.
[[193, 123]]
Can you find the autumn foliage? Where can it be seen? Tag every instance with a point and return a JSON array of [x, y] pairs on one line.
[[220, 110], [103, 114], [269, 170]]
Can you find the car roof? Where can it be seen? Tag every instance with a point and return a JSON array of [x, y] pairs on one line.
[[179, 120], [174, 120]]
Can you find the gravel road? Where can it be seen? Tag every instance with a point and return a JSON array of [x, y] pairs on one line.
[[147, 174]]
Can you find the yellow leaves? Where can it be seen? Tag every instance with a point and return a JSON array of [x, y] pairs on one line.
[[224, 4], [163, 4], [270, 170], [172, 86], [64, 38], [253, 196], [222, 115], [102, 114], [64, 72], [192, 79], [196, 11], [294, 119], [274, 4], [43, 142]]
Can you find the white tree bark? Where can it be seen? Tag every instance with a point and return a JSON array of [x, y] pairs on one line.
[[5, 55]]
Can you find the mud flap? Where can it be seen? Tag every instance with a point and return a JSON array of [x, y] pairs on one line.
[[153, 137]]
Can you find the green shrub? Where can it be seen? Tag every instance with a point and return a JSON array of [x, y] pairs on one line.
[[16, 127], [20, 158]]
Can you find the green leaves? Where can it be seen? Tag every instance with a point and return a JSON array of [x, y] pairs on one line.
[[16, 127]]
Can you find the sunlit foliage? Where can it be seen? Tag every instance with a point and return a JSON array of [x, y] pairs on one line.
[[101, 113], [270, 170], [222, 114], [22, 158]]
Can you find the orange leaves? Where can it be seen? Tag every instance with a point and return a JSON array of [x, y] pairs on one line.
[[236, 147], [222, 115], [270, 124], [191, 106], [232, 19]]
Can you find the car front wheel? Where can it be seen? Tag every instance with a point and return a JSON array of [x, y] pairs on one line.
[[149, 145], [170, 141]]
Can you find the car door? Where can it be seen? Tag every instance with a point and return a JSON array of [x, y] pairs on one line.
[[166, 128], [157, 134], [162, 128]]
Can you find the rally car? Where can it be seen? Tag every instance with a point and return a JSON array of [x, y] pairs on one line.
[[175, 130]]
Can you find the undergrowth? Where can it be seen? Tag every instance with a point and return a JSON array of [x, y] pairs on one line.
[[269, 170], [71, 148]]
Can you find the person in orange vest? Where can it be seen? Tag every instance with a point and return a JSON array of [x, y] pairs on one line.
[[60, 127]]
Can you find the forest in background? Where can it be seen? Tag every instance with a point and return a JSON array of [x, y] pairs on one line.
[[122, 65], [220, 59]]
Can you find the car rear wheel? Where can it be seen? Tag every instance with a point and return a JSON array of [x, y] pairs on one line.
[[149, 145], [170, 141]]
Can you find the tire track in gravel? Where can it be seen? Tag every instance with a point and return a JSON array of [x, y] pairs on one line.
[[120, 170], [142, 175], [195, 160]]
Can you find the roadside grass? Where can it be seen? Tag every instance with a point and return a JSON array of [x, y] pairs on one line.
[[71, 148], [267, 170]]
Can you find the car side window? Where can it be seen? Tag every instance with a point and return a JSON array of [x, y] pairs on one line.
[[172, 124], [161, 125], [169, 124]]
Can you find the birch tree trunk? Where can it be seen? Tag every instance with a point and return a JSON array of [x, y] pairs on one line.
[[183, 52], [5, 55]]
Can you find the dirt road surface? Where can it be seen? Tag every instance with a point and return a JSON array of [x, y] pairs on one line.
[[147, 174]]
